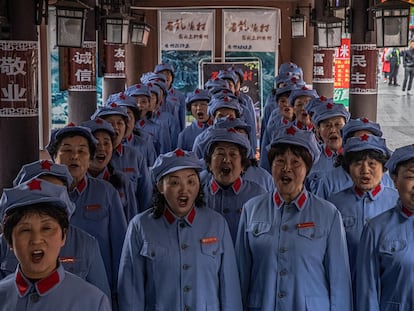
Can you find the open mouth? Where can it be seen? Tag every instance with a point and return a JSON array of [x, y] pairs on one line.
[[37, 256], [285, 179], [182, 201], [100, 157], [225, 170]]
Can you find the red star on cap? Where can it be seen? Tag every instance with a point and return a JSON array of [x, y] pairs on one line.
[[99, 121], [34, 184], [290, 131], [45, 165], [149, 84], [293, 80], [226, 99], [329, 106], [364, 137], [304, 88], [71, 124], [197, 91], [122, 96], [323, 98], [231, 118], [179, 153], [138, 86], [232, 130], [365, 120], [113, 105]]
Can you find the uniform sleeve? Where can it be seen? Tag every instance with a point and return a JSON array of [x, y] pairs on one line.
[[117, 229], [97, 273], [230, 295], [243, 256], [104, 304], [367, 273], [144, 186], [132, 207], [337, 266], [131, 277]]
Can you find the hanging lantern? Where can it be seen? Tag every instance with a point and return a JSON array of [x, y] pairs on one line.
[[140, 33], [70, 24], [116, 27], [329, 32]]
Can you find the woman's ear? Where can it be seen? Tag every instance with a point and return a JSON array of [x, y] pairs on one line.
[[160, 186]]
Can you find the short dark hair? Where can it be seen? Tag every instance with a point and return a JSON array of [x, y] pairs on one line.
[[56, 144], [354, 156], [13, 216], [299, 151], [245, 161]]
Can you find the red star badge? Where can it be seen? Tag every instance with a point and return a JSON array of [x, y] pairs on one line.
[[364, 137], [365, 120], [179, 153], [329, 106], [46, 165], [290, 131], [232, 130], [113, 105], [34, 184]]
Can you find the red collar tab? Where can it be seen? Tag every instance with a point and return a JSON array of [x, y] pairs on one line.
[[141, 123], [130, 138], [358, 191], [170, 217], [376, 190], [278, 200], [237, 185], [407, 212], [106, 174], [373, 193], [200, 124], [82, 185], [301, 200], [42, 286], [331, 153], [214, 186], [119, 149]]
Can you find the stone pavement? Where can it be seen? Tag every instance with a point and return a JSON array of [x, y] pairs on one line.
[[395, 113]]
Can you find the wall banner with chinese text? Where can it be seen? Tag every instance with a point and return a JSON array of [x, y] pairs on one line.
[[82, 71], [114, 61], [364, 61], [253, 33], [185, 38], [323, 69], [18, 78], [342, 72]]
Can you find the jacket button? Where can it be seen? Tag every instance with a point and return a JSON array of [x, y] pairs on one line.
[[186, 267], [282, 250], [283, 272], [184, 246], [187, 289], [285, 228], [182, 224], [282, 295], [187, 308]]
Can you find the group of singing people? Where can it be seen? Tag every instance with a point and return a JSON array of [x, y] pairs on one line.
[[138, 210]]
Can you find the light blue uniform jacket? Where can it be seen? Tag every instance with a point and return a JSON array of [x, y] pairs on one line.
[[293, 257], [229, 202], [100, 213], [179, 264], [187, 136], [385, 262], [60, 291], [356, 208]]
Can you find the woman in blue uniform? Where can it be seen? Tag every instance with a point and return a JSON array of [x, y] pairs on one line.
[[101, 167], [179, 255], [363, 159], [385, 260], [291, 246], [35, 226], [80, 255], [227, 190], [99, 209]]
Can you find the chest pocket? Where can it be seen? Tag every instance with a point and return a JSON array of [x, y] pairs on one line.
[[95, 212], [153, 251], [391, 247], [77, 266], [311, 233], [259, 228], [211, 249], [349, 221]]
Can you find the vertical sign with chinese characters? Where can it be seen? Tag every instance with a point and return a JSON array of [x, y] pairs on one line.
[[342, 72], [18, 79], [364, 60], [114, 61], [323, 70], [82, 73], [186, 37]]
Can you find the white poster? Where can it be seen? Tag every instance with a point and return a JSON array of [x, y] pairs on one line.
[[186, 30], [251, 30]]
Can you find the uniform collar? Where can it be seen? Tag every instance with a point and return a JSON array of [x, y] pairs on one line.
[[42, 286], [200, 124], [170, 217], [82, 184], [130, 138], [105, 174], [329, 153], [299, 202], [405, 212], [236, 186], [302, 126], [119, 149], [373, 194]]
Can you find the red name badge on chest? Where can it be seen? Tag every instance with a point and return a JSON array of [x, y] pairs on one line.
[[93, 207], [67, 259], [302, 225], [210, 240]]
